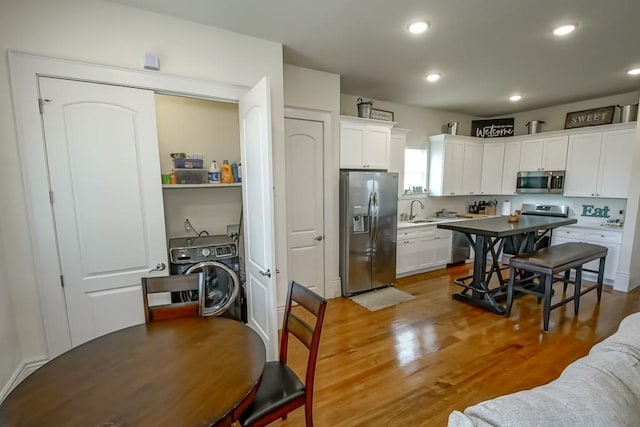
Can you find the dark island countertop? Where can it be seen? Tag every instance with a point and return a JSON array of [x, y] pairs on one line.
[[501, 227]]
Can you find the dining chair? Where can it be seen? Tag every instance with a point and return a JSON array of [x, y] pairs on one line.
[[176, 283], [280, 390]]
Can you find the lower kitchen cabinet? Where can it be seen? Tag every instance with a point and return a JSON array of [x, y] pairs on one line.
[[421, 249], [611, 239]]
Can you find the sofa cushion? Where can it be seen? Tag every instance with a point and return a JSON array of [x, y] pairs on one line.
[[601, 389]]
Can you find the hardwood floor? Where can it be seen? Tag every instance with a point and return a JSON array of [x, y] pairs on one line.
[[413, 363]]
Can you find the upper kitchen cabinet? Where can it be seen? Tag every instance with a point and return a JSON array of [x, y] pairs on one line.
[[492, 167], [599, 164], [511, 167], [364, 143], [455, 166], [544, 154], [396, 155]]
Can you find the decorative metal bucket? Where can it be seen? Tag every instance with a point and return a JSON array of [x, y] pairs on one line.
[[364, 108], [628, 113], [535, 126]]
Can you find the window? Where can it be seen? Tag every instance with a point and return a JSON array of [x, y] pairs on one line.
[[415, 170]]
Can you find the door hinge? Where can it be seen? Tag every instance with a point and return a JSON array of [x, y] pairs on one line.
[[41, 103], [50, 196], [62, 280]]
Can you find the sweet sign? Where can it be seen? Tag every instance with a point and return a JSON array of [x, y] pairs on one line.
[[492, 128], [593, 117]]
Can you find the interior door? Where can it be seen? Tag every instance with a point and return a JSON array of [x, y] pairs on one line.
[[257, 199], [102, 154], [305, 202]]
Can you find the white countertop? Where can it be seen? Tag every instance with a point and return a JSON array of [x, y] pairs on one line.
[[433, 221]]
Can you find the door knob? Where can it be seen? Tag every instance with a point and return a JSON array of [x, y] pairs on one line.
[[265, 273], [318, 238], [159, 267]]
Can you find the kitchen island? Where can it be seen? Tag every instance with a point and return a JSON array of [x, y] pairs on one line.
[[487, 236]]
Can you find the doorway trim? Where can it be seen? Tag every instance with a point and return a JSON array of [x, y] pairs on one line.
[[329, 206], [25, 69]]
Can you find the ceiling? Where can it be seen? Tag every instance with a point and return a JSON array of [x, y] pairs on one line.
[[485, 50]]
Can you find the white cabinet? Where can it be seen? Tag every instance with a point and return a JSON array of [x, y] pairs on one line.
[[455, 166], [544, 154], [364, 143], [599, 164], [396, 155], [511, 167], [422, 249], [492, 167], [472, 167], [611, 239]]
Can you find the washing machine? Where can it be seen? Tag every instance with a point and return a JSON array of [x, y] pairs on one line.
[[217, 257]]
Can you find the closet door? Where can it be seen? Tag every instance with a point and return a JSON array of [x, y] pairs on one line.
[[257, 200], [102, 155]]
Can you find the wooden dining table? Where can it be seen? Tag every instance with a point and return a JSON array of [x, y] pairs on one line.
[[182, 372], [486, 236]]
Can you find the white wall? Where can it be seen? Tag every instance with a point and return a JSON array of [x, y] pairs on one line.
[[111, 34], [554, 117], [10, 355], [320, 91]]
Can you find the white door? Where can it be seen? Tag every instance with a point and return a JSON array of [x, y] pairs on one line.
[[257, 200], [102, 153], [305, 202]]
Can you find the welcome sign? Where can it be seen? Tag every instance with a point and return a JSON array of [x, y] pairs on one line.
[[493, 128]]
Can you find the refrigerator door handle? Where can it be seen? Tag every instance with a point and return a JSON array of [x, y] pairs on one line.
[[377, 210], [370, 212]]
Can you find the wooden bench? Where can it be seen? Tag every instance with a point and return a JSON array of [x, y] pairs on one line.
[[544, 264]]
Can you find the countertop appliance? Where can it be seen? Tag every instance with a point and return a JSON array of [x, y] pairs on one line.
[[217, 257], [368, 230], [540, 210], [540, 182]]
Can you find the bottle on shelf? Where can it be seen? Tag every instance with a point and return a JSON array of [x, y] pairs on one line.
[[173, 179], [234, 171], [214, 173], [226, 176], [239, 172]]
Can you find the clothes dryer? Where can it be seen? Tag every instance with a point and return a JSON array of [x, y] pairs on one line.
[[217, 257]]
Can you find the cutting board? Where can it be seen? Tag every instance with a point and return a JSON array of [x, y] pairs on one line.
[[472, 215]]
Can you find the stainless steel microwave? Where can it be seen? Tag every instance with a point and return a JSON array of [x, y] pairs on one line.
[[540, 182]]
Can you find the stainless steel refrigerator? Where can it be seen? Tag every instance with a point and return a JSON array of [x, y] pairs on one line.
[[368, 230]]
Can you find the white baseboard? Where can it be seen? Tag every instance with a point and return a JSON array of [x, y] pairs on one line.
[[24, 369], [621, 282]]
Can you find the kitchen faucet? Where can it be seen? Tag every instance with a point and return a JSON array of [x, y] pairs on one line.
[[411, 214]]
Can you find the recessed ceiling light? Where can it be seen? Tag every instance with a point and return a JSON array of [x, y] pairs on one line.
[[564, 30], [418, 27], [634, 72], [515, 98], [433, 77]]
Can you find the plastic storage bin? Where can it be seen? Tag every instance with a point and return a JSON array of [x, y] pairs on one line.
[[191, 176], [187, 163]]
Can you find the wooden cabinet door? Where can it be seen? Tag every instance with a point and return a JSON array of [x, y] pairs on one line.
[[511, 167], [583, 160], [472, 168], [453, 168], [376, 148], [531, 155], [492, 167], [351, 146], [555, 154], [615, 163]]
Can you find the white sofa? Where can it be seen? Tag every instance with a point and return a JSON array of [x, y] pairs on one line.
[[601, 389]]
